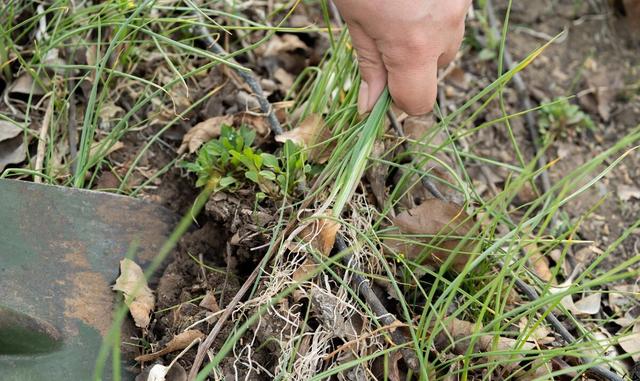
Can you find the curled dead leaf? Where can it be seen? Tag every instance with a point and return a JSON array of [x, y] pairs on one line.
[[209, 302], [311, 133], [441, 220], [137, 295], [179, 342], [13, 149], [320, 234]]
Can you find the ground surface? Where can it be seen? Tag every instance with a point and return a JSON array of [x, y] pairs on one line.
[[595, 59]]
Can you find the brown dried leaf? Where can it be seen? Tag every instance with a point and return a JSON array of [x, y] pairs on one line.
[[305, 270], [311, 133], [137, 295], [203, 132], [258, 123], [320, 234], [434, 217], [539, 262], [209, 302], [632, 11], [179, 342]]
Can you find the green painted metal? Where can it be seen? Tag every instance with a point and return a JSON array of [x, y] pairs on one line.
[[59, 255]]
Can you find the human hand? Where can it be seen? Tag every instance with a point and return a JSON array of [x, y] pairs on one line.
[[402, 43]]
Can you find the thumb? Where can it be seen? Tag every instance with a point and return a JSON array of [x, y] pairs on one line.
[[413, 84], [372, 69]]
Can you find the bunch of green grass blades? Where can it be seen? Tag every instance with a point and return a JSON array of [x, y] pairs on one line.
[[479, 293]]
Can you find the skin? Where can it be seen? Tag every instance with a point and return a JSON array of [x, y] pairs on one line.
[[402, 43]]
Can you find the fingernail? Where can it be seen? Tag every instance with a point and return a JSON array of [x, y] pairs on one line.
[[363, 97]]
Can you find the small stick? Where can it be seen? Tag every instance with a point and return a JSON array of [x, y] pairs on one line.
[[42, 140], [248, 77], [381, 313]]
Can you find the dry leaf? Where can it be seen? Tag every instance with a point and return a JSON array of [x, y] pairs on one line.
[[203, 132], [621, 296], [97, 147], [305, 270], [320, 234], [631, 343], [311, 133], [283, 43], [457, 333], [589, 305], [179, 342], [434, 217], [632, 11], [25, 84], [137, 295], [13, 149], [539, 262], [258, 123], [626, 193], [209, 302]]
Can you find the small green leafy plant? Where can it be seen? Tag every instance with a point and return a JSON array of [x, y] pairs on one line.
[[559, 117], [230, 160]]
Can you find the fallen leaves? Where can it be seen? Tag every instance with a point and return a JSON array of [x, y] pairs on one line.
[[631, 342], [13, 149], [203, 132], [179, 342], [433, 222], [311, 133], [137, 295]]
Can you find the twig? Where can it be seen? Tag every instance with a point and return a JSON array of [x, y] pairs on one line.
[[382, 315], [42, 140], [248, 77], [426, 182]]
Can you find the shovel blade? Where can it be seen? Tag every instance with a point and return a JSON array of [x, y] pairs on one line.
[[59, 255]]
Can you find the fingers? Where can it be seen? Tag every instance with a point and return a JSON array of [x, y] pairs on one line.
[[372, 69], [413, 84]]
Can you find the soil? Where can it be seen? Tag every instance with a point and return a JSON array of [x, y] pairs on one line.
[[596, 58]]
